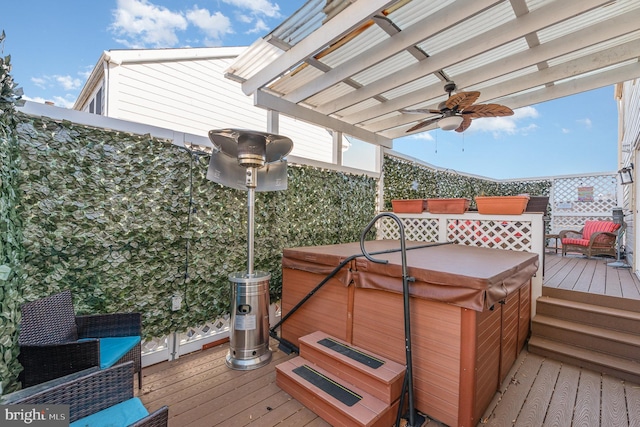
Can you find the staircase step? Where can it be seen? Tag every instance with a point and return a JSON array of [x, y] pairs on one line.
[[626, 369], [604, 340], [604, 317], [333, 399], [376, 375], [595, 299]]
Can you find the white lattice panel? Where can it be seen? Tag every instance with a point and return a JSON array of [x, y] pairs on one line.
[[159, 349], [508, 235], [571, 205], [204, 331], [415, 229], [567, 198]]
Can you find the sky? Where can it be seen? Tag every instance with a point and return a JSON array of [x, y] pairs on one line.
[[54, 45]]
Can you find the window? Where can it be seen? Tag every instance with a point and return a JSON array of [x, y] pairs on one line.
[[99, 102]]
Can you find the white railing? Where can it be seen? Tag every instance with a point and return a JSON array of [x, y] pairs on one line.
[[508, 232]]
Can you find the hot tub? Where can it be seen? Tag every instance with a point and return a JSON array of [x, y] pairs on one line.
[[470, 314]]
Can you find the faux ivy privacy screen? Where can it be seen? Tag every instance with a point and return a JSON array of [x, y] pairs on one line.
[[127, 221], [11, 251]]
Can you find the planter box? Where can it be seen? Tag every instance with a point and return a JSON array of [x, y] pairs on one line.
[[409, 205], [538, 204], [452, 206], [502, 205]]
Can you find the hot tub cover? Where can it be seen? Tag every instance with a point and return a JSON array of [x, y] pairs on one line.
[[465, 276]]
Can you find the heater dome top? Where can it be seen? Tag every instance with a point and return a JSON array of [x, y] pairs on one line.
[[276, 147]]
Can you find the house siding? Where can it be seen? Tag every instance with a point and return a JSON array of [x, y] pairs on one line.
[[629, 109], [193, 96]]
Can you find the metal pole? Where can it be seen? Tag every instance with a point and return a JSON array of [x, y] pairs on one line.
[[415, 419], [252, 173]]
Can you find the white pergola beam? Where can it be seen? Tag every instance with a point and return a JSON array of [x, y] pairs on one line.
[[271, 102]]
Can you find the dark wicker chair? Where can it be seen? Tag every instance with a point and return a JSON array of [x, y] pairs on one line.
[[55, 342], [86, 393]]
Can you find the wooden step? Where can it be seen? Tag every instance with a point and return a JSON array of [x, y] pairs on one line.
[[615, 366], [376, 375], [615, 343], [595, 299], [603, 317], [367, 411]]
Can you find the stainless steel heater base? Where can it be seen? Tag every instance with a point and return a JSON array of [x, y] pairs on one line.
[[249, 329]]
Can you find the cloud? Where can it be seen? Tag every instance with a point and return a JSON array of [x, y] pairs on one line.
[[259, 27], [585, 122], [509, 125], [565, 130], [68, 82], [257, 7], [422, 135], [58, 101], [139, 23], [213, 25], [39, 81]]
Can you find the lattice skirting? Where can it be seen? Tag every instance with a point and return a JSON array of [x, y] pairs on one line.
[[172, 346]]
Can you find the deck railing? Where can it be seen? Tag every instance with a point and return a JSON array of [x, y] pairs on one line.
[[508, 232]]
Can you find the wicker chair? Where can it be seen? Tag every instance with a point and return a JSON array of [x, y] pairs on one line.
[[89, 392], [595, 238], [55, 342]]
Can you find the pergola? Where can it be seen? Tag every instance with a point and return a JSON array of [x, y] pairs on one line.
[[354, 66]]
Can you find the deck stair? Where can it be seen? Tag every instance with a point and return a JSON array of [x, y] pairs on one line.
[[341, 383], [596, 332]]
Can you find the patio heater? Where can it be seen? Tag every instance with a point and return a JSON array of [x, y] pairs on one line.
[[252, 161], [618, 218]]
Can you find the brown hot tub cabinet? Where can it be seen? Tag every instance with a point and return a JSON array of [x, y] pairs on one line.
[[470, 314]]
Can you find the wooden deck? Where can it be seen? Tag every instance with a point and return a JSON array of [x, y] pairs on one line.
[[590, 275], [201, 391]]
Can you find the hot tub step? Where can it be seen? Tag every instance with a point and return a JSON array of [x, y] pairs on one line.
[[378, 376], [335, 400]]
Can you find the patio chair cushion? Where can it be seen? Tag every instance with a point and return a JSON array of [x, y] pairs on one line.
[[123, 414], [113, 349], [591, 227], [573, 241]]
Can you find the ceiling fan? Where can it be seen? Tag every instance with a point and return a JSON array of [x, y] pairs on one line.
[[458, 111]]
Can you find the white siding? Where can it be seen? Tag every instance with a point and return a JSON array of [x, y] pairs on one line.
[[192, 96]]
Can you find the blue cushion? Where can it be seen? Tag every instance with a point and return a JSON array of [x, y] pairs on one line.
[[122, 414], [113, 348]]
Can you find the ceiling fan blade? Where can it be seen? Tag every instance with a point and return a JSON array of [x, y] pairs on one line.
[[488, 110], [466, 122], [421, 111], [461, 100], [424, 123]]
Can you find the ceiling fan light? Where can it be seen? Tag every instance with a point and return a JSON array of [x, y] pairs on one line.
[[450, 123]]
